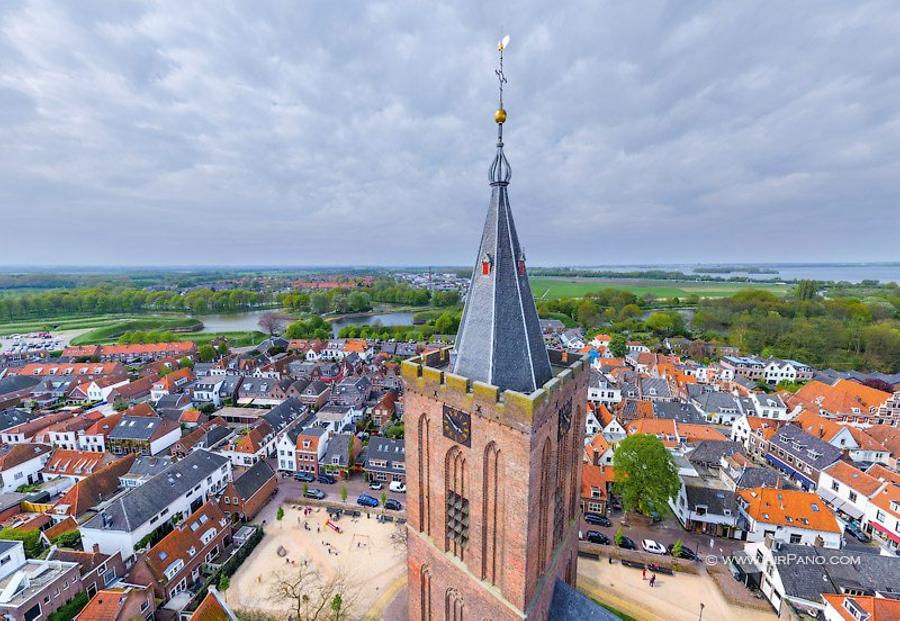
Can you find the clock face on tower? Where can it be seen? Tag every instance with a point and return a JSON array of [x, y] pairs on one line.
[[458, 425]]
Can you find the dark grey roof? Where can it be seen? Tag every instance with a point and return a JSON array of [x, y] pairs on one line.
[[500, 340], [173, 401], [715, 499], [149, 466], [806, 575], [682, 412], [391, 451], [137, 506], [15, 383], [216, 435], [338, 446], [6, 544], [711, 451], [284, 413], [716, 402], [759, 477], [136, 428], [10, 417], [253, 479], [570, 604], [808, 449], [315, 388]]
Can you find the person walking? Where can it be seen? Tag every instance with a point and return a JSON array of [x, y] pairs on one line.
[[652, 580], [644, 573]]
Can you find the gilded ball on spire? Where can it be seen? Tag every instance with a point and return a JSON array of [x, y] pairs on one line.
[[500, 116]]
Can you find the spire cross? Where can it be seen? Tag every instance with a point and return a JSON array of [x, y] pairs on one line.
[[501, 77]]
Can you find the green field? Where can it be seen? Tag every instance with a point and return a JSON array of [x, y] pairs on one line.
[[65, 322], [109, 333], [549, 288]]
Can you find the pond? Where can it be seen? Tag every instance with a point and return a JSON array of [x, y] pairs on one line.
[[245, 321], [385, 319]]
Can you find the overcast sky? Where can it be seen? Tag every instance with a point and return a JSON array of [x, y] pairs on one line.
[[303, 133]]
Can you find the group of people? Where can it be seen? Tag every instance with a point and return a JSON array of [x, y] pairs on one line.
[[644, 574]]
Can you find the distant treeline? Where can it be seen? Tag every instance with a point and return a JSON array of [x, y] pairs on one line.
[[642, 275], [361, 299], [103, 301], [729, 269]]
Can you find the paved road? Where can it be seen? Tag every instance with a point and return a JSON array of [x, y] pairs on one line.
[[665, 532]]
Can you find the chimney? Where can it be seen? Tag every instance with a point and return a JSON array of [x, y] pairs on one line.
[[96, 548]]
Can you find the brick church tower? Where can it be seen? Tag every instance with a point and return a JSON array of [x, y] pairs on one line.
[[493, 448]]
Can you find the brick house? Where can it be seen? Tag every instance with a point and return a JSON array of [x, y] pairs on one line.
[[146, 435], [49, 585], [310, 448], [98, 570], [124, 603], [385, 460], [173, 564], [244, 497], [384, 410]]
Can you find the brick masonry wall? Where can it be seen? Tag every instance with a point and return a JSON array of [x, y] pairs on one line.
[[522, 582]]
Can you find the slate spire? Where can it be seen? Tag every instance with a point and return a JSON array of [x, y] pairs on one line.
[[499, 340]]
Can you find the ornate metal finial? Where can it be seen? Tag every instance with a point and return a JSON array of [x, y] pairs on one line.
[[500, 170]]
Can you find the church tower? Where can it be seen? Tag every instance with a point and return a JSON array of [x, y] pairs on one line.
[[493, 445]]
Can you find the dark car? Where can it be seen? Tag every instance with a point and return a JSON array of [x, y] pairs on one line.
[[596, 518], [367, 501], [854, 530], [686, 552], [595, 536], [327, 479], [306, 477], [392, 504], [627, 543], [314, 493]]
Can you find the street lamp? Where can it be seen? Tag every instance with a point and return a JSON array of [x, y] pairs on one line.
[[702, 606]]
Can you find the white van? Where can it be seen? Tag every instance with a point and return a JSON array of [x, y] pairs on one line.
[[397, 486]]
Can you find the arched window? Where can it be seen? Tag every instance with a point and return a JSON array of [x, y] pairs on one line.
[[424, 472], [544, 504], [492, 514], [454, 607], [425, 591], [457, 502]]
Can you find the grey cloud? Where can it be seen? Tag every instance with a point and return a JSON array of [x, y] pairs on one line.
[[326, 133]]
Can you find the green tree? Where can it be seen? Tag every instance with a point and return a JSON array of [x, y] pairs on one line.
[[806, 290], [319, 303], [617, 537], [305, 488], [677, 547], [344, 493], [384, 498], [206, 353], [279, 515], [617, 345], [666, 323], [70, 610], [337, 604], [646, 476], [224, 583], [31, 540]]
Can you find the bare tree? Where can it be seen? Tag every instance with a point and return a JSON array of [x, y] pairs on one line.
[[272, 323], [399, 537], [312, 597]]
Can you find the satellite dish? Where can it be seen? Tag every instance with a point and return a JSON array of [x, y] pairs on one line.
[[504, 42]]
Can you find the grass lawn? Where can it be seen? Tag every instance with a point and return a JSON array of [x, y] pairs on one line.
[[235, 339], [63, 322], [618, 613], [549, 287], [110, 332]]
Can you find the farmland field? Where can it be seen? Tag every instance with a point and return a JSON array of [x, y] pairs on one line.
[[110, 332], [548, 287]]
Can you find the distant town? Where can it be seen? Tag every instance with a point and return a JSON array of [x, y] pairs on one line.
[[152, 462]]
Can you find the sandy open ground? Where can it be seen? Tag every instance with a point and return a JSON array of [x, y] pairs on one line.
[[673, 598], [364, 552]]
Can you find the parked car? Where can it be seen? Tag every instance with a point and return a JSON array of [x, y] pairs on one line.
[[596, 518], [686, 552], [376, 485], [627, 543], [305, 477], [595, 536], [397, 486], [857, 532], [653, 547], [367, 501], [314, 493], [327, 479], [392, 504]]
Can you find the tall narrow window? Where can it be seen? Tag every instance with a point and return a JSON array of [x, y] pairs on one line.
[[424, 472], [544, 505], [425, 591], [457, 504], [492, 516], [454, 606]]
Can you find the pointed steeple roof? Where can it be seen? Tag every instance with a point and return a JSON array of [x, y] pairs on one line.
[[499, 340]]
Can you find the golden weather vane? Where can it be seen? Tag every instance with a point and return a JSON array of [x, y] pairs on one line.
[[500, 114]]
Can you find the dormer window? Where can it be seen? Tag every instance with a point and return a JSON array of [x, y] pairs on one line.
[[486, 264]]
